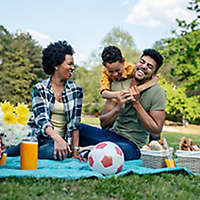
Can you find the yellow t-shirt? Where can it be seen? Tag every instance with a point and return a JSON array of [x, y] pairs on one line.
[[58, 118], [106, 80]]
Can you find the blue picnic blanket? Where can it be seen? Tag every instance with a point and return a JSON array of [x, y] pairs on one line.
[[74, 169]]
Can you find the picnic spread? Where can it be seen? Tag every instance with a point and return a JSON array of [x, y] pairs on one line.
[[151, 162]]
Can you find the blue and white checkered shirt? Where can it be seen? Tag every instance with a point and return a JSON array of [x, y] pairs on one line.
[[43, 101]]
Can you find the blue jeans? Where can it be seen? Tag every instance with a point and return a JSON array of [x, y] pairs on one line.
[[90, 135], [45, 149]]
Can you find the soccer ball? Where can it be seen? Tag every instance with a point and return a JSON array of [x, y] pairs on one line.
[[106, 158]]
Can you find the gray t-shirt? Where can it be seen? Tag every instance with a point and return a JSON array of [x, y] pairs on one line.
[[127, 123]]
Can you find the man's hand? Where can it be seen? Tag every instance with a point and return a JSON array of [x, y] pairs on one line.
[[122, 98], [135, 94], [112, 108], [76, 155]]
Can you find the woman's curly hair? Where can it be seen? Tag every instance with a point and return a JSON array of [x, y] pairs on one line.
[[54, 55]]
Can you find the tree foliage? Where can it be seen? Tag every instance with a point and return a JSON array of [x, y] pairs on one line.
[[182, 54], [90, 82], [20, 66], [182, 61], [178, 105], [194, 6], [124, 41]]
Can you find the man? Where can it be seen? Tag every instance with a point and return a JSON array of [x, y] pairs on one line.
[[134, 115]]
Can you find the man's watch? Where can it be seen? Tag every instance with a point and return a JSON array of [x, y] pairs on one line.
[[76, 148]]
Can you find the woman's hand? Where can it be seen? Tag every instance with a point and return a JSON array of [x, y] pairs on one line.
[[61, 148], [76, 155]]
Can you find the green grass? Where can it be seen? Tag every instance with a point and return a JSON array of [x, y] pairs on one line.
[[163, 186]]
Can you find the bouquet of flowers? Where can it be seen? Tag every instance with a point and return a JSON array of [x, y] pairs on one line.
[[13, 128]]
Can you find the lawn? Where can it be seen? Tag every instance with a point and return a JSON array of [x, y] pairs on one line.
[[163, 186]]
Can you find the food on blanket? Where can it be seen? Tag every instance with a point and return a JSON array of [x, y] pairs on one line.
[[188, 145], [193, 146], [146, 147], [183, 145], [106, 158], [162, 142], [156, 145]]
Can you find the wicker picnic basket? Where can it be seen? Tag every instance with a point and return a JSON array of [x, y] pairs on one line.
[[189, 160], [154, 159]]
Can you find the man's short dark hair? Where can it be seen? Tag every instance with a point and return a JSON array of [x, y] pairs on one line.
[[54, 55], [111, 54], [155, 55]]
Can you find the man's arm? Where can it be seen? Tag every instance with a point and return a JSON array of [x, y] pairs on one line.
[[152, 121], [109, 113], [112, 107]]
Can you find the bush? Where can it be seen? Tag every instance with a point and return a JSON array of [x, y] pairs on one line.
[[178, 105]]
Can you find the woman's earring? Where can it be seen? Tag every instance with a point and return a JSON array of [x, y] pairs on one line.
[[56, 68]]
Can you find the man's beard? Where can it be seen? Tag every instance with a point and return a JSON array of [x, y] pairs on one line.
[[144, 79]]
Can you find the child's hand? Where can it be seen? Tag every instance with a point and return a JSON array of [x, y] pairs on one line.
[[120, 93], [135, 94]]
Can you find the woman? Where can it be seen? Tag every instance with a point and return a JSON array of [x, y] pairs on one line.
[[56, 105]]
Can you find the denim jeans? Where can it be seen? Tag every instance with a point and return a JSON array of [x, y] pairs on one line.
[[90, 135], [45, 149]]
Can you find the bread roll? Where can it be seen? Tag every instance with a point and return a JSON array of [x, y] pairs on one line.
[[154, 145], [146, 147]]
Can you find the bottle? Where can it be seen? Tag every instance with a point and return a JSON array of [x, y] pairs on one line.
[[170, 162], [29, 153]]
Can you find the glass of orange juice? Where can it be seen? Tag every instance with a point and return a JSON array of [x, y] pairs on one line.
[[29, 154], [3, 159]]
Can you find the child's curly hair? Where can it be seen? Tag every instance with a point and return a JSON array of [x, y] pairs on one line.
[[111, 54]]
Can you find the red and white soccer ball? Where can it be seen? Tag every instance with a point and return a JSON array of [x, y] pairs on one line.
[[106, 158]]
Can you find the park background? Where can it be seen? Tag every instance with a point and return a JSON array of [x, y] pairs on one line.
[[21, 68]]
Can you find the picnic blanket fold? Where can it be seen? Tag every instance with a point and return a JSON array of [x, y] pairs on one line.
[[74, 169]]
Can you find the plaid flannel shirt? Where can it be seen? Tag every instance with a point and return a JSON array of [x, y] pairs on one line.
[[43, 101]]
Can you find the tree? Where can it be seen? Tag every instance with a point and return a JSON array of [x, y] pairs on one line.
[[89, 80], [194, 5], [182, 54], [124, 41], [20, 66]]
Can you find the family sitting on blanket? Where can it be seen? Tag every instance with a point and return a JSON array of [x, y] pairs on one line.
[[134, 109]]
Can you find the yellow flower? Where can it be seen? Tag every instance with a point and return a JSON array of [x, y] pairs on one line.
[[6, 107], [22, 110], [10, 118], [23, 120]]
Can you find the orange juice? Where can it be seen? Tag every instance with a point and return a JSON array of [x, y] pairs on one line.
[[3, 159], [29, 155], [170, 163]]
